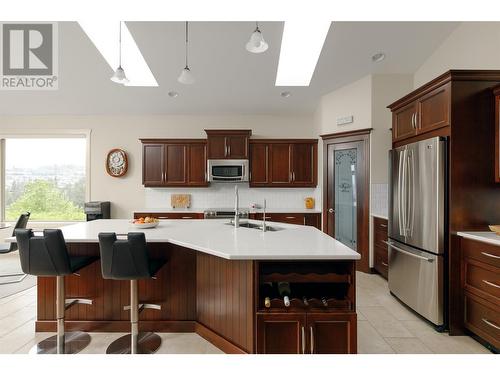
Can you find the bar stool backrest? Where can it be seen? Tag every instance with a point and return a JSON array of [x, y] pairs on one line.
[[43, 256], [124, 259], [21, 223]]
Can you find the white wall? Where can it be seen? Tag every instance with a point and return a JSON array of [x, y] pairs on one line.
[[127, 193], [472, 45]]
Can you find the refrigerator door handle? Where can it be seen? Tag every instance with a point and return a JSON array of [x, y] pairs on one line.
[[391, 245], [411, 192], [400, 191]]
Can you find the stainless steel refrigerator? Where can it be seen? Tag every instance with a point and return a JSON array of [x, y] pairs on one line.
[[417, 195]]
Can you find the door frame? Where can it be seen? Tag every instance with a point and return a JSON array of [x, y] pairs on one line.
[[363, 201]]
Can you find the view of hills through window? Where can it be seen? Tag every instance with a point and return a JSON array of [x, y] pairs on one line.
[[45, 176]]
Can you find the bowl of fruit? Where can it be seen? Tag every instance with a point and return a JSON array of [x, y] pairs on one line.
[[145, 222]]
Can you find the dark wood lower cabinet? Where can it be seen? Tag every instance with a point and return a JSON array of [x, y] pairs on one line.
[[311, 219], [306, 333]]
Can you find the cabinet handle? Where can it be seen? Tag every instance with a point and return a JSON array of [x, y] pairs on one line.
[[229, 150], [162, 217], [293, 176], [290, 177], [303, 340], [186, 217], [490, 323], [312, 339], [385, 264], [291, 217], [416, 120], [383, 225], [490, 255], [304, 220], [491, 284]]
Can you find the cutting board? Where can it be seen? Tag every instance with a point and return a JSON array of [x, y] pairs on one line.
[[180, 200]]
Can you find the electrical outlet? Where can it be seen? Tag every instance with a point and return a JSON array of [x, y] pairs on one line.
[[345, 120]]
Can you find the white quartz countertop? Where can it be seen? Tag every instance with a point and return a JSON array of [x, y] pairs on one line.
[[293, 242], [251, 210], [488, 237]]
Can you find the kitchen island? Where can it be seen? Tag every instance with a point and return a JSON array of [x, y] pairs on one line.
[[215, 282]]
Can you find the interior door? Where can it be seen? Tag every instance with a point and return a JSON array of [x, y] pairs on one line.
[[347, 188]]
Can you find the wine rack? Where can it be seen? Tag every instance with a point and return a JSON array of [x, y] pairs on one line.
[[315, 286]]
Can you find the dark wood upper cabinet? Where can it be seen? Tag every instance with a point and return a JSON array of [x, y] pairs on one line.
[[174, 162], [153, 159], [422, 114], [403, 122], [283, 163], [228, 144], [496, 92]]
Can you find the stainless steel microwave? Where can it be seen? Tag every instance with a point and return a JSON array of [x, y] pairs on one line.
[[227, 170]]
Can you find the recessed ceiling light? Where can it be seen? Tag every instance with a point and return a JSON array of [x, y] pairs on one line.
[[378, 57], [173, 94], [301, 46], [285, 94], [104, 36]]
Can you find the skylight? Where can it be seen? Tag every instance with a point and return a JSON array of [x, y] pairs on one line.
[[301, 46], [104, 35]]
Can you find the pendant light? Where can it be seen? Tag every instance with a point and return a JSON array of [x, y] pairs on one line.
[[257, 44], [186, 77], [119, 75]]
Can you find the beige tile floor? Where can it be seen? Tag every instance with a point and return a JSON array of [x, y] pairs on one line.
[[384, 326]]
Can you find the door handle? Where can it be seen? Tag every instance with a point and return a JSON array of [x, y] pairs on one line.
[[331, 211], [303, 340], [312, 339], [490, 323], [491, 284], [408, 253]]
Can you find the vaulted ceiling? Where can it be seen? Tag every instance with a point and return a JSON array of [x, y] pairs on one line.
[[230, 80]]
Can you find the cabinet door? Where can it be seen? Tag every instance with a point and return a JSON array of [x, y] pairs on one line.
[[280, 164], [197, 173], [403, 122], [303, 164], [217, 147], [237, 147], [313, 220], [281, 333], [331, 333], [434, 110], [176, 164], [153, 164], [259, 164]]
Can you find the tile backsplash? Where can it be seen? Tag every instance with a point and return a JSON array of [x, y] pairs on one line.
[[222, 196], [379, 199]]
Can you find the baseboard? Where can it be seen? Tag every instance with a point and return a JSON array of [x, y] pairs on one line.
[[217, 340]]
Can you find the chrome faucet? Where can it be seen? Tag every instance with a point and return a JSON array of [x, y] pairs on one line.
[[236, 207], [264, 216]]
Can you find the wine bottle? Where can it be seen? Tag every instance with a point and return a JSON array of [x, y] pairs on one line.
[[267, 291], [324, 301], [284, 290]]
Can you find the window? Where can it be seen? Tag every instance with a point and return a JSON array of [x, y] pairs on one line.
[[45, 176]]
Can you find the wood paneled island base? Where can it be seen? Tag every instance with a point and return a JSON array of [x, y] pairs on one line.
[[219, 299]]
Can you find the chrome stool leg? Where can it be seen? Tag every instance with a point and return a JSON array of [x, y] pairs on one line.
[[136, 342], [63, 343]]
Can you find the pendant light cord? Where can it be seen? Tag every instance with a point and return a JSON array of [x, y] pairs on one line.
[[120, 49], [187, 45]]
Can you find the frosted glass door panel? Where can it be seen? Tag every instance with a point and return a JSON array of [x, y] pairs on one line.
[[345, 196]]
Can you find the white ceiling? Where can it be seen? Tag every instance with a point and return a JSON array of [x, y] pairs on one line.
[[229, 79]]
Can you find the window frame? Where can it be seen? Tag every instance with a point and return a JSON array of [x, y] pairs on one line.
[[45, 133]]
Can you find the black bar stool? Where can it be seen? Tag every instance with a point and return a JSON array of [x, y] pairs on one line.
[[128, 260], [47, 255]]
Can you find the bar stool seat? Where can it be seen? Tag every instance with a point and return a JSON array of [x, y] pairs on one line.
[[47, 255], [128, 260]]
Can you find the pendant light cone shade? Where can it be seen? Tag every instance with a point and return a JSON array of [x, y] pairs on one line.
[[119, 75], [257, 44], [186, 77]]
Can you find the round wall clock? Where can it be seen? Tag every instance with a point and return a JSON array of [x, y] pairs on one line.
[[116, 163]]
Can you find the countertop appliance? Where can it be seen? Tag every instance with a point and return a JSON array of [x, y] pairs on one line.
[[417, 246], [225, 213], [97, 210], [227, 170]]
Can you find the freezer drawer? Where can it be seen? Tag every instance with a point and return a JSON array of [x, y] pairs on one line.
[[416, 278]]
